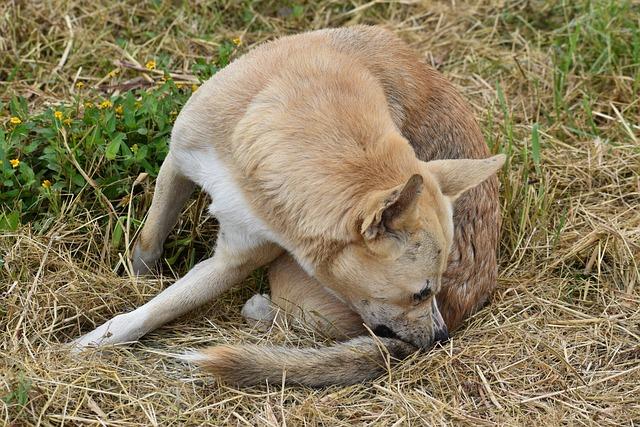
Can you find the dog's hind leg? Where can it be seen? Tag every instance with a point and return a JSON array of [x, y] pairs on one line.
[[300, 299], [171, 193], [234, 259]]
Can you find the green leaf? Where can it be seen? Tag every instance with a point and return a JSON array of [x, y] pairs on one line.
[[297, 11], [78, 180], [114, 146], [535, 147], [117, 234], [10, 221]]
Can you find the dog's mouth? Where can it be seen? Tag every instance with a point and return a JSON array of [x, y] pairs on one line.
[[383, 331], [441, 335]]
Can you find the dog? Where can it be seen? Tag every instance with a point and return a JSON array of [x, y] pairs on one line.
[[354, 167]]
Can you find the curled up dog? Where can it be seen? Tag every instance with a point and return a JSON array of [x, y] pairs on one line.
[[359, 173]]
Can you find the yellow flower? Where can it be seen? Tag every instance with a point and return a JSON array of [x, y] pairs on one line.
[[150, 65], [194, 87], [137, 104], [179, 85], [105, 104], [15, 120], [14, 163], [173, 113], [119, 109], [113, 73], [58, 115], [88, 105], [79, 85], [46, 184], [237, 41], [67, 121]]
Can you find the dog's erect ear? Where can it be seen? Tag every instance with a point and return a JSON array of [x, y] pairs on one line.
[[387, 209], [458, 175]]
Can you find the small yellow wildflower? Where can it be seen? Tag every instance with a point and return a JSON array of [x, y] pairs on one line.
[[79, 85], [125, 200], [14, 163], [174, 113], [150, 65], [58, 115], [119, 109], [88, 105], [137, 104], [67, 121], [237, 41], [194, 87], [15, 120], [113, 73], [46, 184], [179, 85], [105, 104]]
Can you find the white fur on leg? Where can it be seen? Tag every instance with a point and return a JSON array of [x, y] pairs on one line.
[[123, 328], [258, 312]]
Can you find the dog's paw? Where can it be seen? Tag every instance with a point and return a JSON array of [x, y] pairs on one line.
[[259, 312], [121, 329], [144, 262]]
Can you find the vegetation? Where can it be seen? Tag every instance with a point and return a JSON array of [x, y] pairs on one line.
[[87, 100]]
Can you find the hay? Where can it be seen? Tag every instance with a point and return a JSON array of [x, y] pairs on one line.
[[559, 342]]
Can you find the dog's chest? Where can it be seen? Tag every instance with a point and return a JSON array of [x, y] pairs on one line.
[[229, 205]]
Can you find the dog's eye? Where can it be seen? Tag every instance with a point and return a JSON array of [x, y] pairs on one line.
[[424, 294]]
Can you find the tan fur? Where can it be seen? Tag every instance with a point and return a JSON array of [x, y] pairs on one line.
[[346, 363], [324, 141], [301, 298], [439, 125]]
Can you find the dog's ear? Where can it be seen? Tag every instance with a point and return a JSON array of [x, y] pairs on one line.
[[388, 209], [458, 175]]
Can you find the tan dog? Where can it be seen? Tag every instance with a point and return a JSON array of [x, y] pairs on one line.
[[311, 145]]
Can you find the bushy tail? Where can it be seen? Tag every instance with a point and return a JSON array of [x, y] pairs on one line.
[[345, 363]]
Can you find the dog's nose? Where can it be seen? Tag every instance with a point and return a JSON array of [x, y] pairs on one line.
[[441, 336]]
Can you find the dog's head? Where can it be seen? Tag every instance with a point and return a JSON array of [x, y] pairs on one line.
[[391, 273]]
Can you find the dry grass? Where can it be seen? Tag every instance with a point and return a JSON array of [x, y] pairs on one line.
[[560, 341]]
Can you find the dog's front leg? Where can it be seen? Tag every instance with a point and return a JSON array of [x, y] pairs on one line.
[[203, 283]]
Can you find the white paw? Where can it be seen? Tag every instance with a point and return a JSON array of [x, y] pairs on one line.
[[123, 328], [258, 311]]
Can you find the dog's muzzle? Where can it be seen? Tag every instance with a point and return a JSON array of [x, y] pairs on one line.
[[439, 330]]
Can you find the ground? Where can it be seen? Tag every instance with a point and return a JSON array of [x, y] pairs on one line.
[[554, 85]]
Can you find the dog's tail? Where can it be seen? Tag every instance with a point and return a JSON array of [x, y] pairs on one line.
[[345, 363]]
